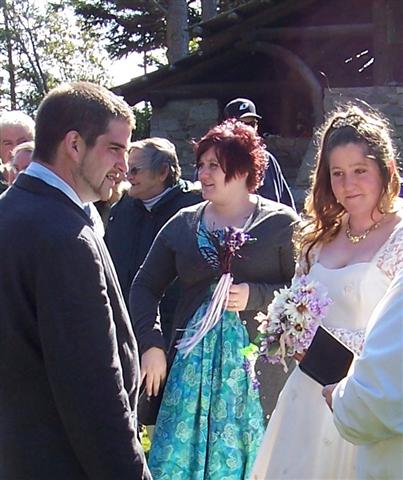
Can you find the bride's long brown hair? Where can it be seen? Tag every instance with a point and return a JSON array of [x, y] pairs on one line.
[[322, 213]]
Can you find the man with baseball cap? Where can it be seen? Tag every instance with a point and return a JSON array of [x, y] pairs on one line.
[[274, 186]]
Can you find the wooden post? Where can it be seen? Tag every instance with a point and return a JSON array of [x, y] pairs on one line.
[[395, 39], [382, 66]]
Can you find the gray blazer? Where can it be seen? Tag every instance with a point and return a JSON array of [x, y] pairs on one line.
[[266, 265]]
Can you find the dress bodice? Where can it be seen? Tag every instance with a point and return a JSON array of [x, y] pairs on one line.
[[356, 289]]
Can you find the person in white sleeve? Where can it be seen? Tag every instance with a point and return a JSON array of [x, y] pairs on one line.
[[368, 403]]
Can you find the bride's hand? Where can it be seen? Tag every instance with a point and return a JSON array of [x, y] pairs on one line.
[[238, 297], [299, 356]]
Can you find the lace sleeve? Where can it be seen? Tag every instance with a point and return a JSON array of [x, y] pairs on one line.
[[390, 260], [353, 339]]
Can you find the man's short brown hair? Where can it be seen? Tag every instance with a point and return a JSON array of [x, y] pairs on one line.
[[81, 106]]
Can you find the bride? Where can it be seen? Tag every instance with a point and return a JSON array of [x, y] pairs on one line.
[[352, 243]]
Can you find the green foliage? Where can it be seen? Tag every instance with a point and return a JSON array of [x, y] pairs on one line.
[[157, 58], [143, 119], [126, 28], [145, 440], [194, 44], [140, 26], [49, 46], [131, 26]]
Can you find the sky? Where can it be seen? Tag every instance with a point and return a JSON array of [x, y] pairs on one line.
[[125, 69]]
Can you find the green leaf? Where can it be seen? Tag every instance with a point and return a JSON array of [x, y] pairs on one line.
[[250, 351], [273, 348]]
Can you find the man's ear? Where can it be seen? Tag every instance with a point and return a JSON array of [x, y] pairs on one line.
[[73, 144]]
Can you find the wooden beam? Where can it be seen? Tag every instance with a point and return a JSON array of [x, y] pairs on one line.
[[394, 22], [159, 97], [269, 14], [236, 14], [212, 89], [182, 74], [313, 33]]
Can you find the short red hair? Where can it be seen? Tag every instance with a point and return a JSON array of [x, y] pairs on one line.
[[239, 150]]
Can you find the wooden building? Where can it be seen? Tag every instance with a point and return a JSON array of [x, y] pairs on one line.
[[294, 59]]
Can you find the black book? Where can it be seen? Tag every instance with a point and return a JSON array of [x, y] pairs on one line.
[[327, 360]]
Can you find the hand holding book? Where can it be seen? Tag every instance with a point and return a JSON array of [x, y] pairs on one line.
[[327, 360]]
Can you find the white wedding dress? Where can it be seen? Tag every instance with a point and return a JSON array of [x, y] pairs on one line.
[[301, 441]]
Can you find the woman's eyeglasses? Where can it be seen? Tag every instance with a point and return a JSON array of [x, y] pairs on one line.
[[134, 170]]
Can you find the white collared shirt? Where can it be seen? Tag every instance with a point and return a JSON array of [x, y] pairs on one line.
[[38, 170]]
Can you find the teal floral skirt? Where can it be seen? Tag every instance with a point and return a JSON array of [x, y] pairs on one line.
[[211, 422]]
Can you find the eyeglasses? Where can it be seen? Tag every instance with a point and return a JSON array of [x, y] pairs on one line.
[[134, 170]]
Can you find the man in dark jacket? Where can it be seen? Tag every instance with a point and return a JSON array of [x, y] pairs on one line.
[[157, 192], [274, 186], [69, 370]]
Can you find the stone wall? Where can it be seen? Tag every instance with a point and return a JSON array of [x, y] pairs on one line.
[[389, 100], [289, 152], [181, 121]]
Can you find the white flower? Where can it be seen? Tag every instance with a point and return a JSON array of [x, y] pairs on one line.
[[292, 319], [296, 312]]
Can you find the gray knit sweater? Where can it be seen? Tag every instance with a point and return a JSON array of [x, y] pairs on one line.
[[266, 265]]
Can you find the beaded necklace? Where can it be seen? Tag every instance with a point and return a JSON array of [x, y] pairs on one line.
[[362, 236]]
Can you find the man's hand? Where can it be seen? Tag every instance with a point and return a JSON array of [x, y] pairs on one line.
[[238, 297], [153, 369], [327, 393]]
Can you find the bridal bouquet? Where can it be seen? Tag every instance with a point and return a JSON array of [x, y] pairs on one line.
[[291, 321]]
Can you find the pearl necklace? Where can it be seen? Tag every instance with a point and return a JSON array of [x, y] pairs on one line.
[[362, 236]]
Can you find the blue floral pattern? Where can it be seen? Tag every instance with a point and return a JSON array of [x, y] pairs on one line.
[[211, 422]]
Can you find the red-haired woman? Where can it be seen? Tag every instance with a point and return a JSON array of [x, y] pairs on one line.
[[352, 243], [211, 420]]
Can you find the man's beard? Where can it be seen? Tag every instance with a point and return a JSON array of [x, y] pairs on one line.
[[98, 192]]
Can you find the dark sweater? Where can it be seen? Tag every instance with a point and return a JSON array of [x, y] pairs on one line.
[[131, 231], [69, 371]]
